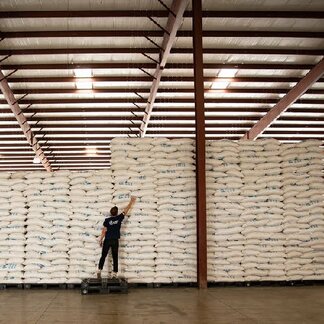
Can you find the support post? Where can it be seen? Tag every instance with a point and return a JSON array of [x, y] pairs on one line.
[[200, 145]]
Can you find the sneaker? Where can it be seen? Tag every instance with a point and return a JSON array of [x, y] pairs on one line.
[[98, 274], [114, 275]]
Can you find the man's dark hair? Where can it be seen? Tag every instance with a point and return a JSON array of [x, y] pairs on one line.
[[114, 211]]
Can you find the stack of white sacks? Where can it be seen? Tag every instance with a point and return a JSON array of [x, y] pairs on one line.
[[303, 188], [133, 174], [224, 223], [63, 214], [265, 211], [47, 227], [158, 241], [176, 194], [262, 203], [90, 195], [12, 227]]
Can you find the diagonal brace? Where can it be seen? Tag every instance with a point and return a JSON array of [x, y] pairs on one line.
[[295, 93]]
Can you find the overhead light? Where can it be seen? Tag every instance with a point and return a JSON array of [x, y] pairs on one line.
[[36, 160], [220, 84], [91, 151], [83, 84], [227, 73], [83, 73], [224, 73]]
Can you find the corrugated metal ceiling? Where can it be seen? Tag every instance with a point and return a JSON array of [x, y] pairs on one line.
[[273, 44]]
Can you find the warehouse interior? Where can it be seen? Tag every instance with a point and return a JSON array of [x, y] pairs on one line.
[[210, 113]]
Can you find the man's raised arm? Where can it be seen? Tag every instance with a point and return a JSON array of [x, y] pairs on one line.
[[130, 205]]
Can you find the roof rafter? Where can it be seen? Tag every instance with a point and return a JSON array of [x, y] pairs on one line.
[[158, 100], [127, 50], [159, 13], [143, 65], [158, 33], [161, 90], [49, 79], [178, 7], [86, 119], [292, 96], [20, 117]]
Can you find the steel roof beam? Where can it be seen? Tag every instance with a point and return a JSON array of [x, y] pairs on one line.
[[159, 100], [22, 121], [67, 110], [274, 79], [158, 33], [161, 90], [161, 118], [129, 50], [292, 96], [159, 13], [178, 7], [143, 65], [165, 125]]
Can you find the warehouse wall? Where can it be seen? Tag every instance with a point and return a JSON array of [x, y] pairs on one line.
[[265, 214]]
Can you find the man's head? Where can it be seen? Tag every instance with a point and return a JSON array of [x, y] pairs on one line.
[[114, 211]]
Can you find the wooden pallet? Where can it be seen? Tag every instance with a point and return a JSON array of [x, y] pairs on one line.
[[44, 286], [104, 286], [4, 286], [267, 283]]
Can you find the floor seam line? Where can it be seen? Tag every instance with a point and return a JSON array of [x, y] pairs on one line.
[[49, 304]]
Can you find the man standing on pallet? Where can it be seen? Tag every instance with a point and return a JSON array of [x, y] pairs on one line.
[[110, 235]]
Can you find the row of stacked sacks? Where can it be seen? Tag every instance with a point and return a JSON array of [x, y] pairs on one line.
[[303, 189], [262, 214], [133, 174], [224, 182], [50, 223], [90, 199], [175, 244], [158, 240], [47, 236], [251, 229], [12, 227]]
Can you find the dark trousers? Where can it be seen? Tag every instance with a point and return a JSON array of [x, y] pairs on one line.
[[113, 243]]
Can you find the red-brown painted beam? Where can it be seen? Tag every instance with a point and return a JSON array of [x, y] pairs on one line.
[[158, 13], [173, 24], [22, 121], [66, 110], [158, 33], [27, 101], [64, 66], [184, 124], [273, 79], [161, 90], [200, 146], [143, 65], [72, 79], [129, 50], [292, 96], [159, 119]]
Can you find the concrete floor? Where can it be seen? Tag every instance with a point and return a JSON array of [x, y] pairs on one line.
[[166, 305]]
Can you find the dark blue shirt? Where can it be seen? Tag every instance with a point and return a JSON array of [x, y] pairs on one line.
[[113, 224]]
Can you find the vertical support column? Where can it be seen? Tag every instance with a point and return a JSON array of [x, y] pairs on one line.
[[200, 145]]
